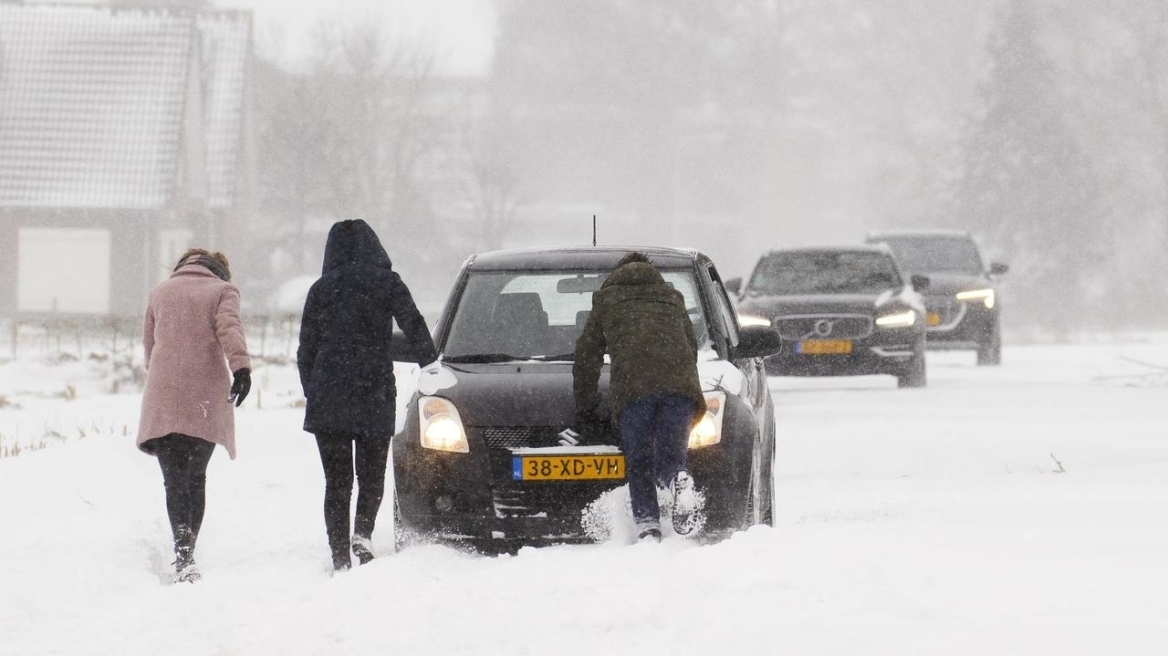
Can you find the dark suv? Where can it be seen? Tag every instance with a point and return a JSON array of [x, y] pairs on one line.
[[963, 301], [845, 311]]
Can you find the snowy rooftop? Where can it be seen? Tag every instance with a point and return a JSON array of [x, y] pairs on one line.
[[92, 103], [226, 44]]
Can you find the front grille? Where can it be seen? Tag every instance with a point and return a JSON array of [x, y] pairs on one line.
[[517, 437], [829, 326], [560, 502], [552, 499]]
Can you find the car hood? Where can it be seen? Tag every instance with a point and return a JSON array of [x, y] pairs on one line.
[[517, 393], [777, 306], [529, 393], [946, 284]]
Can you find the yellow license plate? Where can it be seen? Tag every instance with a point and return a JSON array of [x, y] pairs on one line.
[[567, 468], [933, 319], [825, 346]]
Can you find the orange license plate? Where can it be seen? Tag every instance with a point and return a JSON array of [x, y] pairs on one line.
[[567, 468], [825, 346]]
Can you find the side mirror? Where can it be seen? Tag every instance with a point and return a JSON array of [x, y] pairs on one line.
[[400, 348], [919, 282], [758, 342], [998, 268], [733, 285]]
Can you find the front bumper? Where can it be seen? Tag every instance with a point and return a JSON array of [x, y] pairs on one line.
[[473, 497], [883, 352]]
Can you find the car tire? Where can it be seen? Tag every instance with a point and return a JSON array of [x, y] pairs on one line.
[[915, 375], [989, 352], [755, 504], [730, 509], [760, 493], [768, 480], [767, 517]]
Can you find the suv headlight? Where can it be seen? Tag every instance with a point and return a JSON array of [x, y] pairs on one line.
[[441, 426], [901, 319], [708, 430], [753, 320], [984, 295]]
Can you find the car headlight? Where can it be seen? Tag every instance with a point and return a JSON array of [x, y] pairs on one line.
[[753, 320], [708, 430], [901, 319], [441, 426], [984, 295]]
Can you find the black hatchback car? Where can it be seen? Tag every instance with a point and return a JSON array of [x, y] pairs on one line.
[[480, 462], [846, 311], [963, 300]]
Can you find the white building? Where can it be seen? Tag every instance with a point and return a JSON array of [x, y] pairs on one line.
[[125, 137]]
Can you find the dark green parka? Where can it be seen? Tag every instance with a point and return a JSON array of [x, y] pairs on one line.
[[641, 322]]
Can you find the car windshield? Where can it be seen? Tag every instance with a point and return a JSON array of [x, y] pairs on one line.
[[936, 254], [824, 272], [522, 315]]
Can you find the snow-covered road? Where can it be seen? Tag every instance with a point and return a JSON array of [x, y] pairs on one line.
[[930, 521]]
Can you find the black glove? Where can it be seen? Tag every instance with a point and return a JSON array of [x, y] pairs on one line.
[[585, 429], [589, 424], [240, 386]]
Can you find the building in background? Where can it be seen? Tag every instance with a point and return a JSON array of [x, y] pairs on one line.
[[125, 138]]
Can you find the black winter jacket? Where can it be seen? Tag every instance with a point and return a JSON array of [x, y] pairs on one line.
[[641, 322], [344, 359]]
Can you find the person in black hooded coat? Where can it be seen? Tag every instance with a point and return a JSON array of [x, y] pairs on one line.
[[346, 370]]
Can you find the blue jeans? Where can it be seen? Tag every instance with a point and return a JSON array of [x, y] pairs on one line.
[[654, 432]]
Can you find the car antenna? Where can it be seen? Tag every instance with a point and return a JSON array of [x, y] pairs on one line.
[[593, 229]]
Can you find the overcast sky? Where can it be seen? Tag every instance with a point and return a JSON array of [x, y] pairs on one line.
[[461, 32]]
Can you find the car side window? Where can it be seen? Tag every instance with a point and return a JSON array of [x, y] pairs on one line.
[[723, 305]]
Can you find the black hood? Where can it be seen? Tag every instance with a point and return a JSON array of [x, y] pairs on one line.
[[354, 242], [815, 304], [518, 393]]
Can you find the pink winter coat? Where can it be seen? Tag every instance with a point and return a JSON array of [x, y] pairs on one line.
[[193, 339]]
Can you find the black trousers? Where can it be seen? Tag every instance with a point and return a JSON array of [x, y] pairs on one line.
[[184, 462], [336, 455]]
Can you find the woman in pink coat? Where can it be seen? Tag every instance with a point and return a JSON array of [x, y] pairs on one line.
[[193, 337]]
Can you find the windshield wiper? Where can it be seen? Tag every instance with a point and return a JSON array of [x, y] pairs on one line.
[[565, 357], [483, 358]]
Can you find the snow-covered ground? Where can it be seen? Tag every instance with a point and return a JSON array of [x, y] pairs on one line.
[[933, 521]]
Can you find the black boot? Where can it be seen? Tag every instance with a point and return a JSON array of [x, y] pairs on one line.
[[339, 546], [362, 548], [341, 561], [185, 569]]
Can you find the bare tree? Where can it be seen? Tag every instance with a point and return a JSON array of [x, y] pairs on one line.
[[1114, 60], [491, 185], [347, 134], [295, 138], [1028, 182], [379, 113]]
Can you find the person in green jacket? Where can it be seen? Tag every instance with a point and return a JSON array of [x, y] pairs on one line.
[[641, 322]]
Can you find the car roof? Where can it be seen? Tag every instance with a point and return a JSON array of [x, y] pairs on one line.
[[578, 257], [919, 232], [864, 248]]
